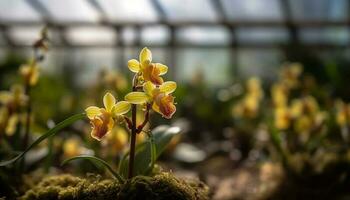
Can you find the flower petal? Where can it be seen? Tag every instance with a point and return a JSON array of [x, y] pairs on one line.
[[108, 101], [168, 87], [134, 65], [162, 68], [92, 111], [121, 108], [136, 97], [145, 56], [148, 88], [167, 107]]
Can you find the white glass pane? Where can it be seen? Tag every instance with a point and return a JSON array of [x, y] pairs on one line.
[[128, 35], [28, 35], [261, 62], [155, 35], [193, 10], [129, 10], [338, 35], [262, 35], [204, 35], [214, 64], [253, 10], [92, 35], [320, 9], [18, 10], [25, 35], [71, 11], [89, 62]]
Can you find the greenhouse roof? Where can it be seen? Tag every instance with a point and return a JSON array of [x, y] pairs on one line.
[[210, 23]]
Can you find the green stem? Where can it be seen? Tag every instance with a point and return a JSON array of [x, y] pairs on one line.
[[49, 133], [132, 141], [27, 125]]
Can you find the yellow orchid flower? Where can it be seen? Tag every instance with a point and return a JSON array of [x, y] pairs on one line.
[[118, 139], [342, 113], [102, 119], [14, 98], [291, 73], [73, 147], [254, 87], [159, 96], [149, 71], [279, 93], [30, 73], [282, 118]]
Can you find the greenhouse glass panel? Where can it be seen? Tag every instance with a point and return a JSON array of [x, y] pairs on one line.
[[24, 35], [128, 35], [333, 35], [264, 64], [253, 10], [329, 10], [204, 35], [155, 35], [92, 35], [27, 34], [213, 64], [184, 10], [13, 11], [89, 62], [71, 11], [129, 11], [262, 35]]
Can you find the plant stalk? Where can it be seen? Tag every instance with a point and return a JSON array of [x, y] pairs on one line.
[[27, 124], [133, 138]]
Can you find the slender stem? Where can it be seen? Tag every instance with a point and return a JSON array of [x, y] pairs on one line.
[[27, 124], [28, 113], [133, 140]]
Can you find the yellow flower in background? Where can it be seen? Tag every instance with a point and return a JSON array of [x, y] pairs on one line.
[[13, 99], [114, 79], [30, 73], [304, 106], [159, 96], [254, 87], [282, 118], [249, 106], [303, 124], [297, 108], [291, 73], [279, 95], [117, 140], [72, 147], [342, 113], [102, 119], [149, 71], [11, 124]]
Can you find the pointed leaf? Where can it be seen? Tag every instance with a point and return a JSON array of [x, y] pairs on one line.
[[98, 160], [49, 133]]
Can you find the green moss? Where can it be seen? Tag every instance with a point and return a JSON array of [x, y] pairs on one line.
[[66, 187], [161, 186]]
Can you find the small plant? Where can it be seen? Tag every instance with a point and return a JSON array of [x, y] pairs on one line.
[[150, 92]]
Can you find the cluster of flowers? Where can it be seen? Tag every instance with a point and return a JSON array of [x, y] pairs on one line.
[[149, 90], [302, 114], [14, 101]]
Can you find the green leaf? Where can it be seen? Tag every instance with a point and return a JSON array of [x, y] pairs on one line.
[[98, 160], [149, 151], [49, 133]]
